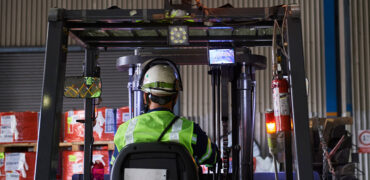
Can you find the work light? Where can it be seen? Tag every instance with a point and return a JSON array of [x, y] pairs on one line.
[[178, 35], [270, 122], [271, 131]]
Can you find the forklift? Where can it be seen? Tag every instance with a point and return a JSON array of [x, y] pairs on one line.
[[218, 37]]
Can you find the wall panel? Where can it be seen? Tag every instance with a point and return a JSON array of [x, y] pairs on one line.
[[24, 22], [22, 74], [360, 63]]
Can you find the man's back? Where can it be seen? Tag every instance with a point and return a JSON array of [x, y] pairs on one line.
[[149, 126]]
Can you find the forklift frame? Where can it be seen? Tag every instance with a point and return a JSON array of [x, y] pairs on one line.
[[82, 24]]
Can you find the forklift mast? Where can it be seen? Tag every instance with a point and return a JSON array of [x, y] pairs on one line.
[[149, 28]]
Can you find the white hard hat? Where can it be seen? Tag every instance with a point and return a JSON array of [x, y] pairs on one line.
[[160, 80]]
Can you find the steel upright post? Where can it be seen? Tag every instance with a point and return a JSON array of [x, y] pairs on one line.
[[225, 76], [235, 124], [213, 81], [52, 96], [89, 69], [246, 126], [288, 155], [218, 103], [299, 99], [138, 94], [129, 87]]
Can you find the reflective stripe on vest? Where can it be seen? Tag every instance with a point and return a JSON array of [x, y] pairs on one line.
[[129, 135], [208, 153], [176, 128], [194, 139]]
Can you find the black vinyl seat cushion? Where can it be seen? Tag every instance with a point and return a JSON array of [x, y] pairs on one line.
[[170, 156]]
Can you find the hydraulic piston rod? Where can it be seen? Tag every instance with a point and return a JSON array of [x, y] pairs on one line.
[[245, 86]]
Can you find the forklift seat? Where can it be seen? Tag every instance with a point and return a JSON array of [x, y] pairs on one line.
[[157, 160]]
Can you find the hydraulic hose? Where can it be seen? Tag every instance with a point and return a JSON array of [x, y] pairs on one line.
[[275, 167]]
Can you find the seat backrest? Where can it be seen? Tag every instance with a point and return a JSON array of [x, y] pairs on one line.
[[172, 157]]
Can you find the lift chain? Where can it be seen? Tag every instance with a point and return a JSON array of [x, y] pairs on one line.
[[226, 149], [326, 158]]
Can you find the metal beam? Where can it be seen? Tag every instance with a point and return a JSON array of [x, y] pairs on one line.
[[52, 99], [89, 69], [155, 25], [235, 100], [192, 44], [235, 38], [187, 57], [299, 99], [226, 75], [31, 49], [157, 14]]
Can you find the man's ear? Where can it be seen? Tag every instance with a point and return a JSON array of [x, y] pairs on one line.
[[175, 99], [176, 96], [145, 98]]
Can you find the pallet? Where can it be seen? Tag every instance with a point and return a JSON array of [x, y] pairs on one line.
[[5, 147], [76, 145], [315, 122]]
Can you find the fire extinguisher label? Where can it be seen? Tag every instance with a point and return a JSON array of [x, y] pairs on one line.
[[280, 101], [284, 104]]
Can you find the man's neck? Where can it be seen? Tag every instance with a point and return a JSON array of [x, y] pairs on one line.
[[157, 106], [159, 109]]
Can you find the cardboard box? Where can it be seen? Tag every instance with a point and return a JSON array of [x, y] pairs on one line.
[[18, 127], [73, 162], [104, 128], [123, 115], [17, 165]]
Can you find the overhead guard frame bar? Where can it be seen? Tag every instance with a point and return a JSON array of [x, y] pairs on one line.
[[298, 95], [52, 98]]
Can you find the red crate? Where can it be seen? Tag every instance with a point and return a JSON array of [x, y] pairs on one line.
[[72, 162], [11, 162], [123, 115], [18, 127], [73, 130], [104, 127]]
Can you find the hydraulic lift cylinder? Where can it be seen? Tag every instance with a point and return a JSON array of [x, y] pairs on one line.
[[129, 87], [246, 124], [138, 94]]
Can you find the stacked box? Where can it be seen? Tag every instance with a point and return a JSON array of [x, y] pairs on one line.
[[104, 128], [17, 165], [73, 162], [123, 115], [73, 130], [18, 127]]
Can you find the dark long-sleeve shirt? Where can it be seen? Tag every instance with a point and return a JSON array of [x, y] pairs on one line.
[[204, 151]]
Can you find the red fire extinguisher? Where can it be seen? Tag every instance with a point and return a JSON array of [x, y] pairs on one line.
[[280, 98]]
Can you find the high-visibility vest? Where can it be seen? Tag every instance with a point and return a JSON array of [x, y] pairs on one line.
[[149, 126]]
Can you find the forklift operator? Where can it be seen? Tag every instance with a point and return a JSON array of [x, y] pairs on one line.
[[161, 88]]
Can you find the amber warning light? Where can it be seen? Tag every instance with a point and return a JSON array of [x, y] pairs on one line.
[[270, 122]]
